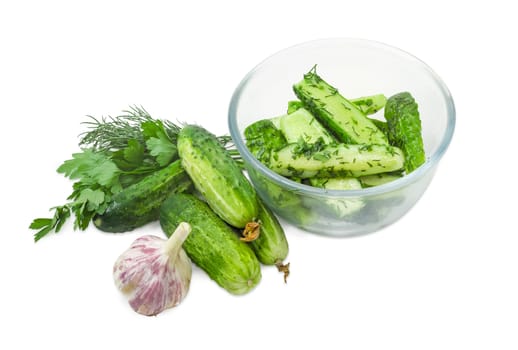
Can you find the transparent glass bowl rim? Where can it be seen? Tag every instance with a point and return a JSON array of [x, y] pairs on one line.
[[395, 185]]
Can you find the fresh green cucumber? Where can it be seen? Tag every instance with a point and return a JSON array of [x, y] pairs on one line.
[[217, 176], [140, 203], [367, 104], [339, 115], [301, 124], [334, 207], [305, 161], [370, 104], [404, 129], [293, 106], [276, 121], [302, 127], [271, 247], [212, 244], [381, 125], [262, 137], [288, 204], [379, 179]]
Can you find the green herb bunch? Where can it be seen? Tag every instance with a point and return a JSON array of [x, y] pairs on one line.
[[116, 152]]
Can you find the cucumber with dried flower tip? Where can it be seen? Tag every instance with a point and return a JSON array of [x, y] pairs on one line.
[[217, 176], [212, 244], [271, 247]]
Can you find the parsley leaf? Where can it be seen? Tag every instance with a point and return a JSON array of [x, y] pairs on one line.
[[151, 128], [91, 167], [162, 148], [91, 198], [46, 225], [131, 156], [98, 178], [158, 142]]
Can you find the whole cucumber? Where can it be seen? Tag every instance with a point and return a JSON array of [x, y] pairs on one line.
[[138, 204], [404, 128], [212, 244], [271, 246], [217, 176]]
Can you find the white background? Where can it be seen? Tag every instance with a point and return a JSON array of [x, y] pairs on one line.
[[443, 277]]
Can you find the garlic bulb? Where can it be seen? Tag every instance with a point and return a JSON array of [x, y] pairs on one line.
[[155, 273]]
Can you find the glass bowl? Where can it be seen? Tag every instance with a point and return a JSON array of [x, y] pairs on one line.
[[356, 68]]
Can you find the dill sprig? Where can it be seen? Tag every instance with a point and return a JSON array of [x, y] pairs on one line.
[[112, 133], [109, 134]]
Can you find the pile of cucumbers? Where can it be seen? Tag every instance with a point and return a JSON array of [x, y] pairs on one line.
[[206, 188]]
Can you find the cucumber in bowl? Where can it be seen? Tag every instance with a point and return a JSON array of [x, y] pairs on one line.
[[329, 137], [328, 141]]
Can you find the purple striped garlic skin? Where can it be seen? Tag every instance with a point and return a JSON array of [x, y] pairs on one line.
[[155, 273]]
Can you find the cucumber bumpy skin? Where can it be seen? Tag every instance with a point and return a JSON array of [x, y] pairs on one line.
[[217, 176], [212, 244], [262, 138], [404, 129], [335, 112], [271, 247], [139, 204]]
